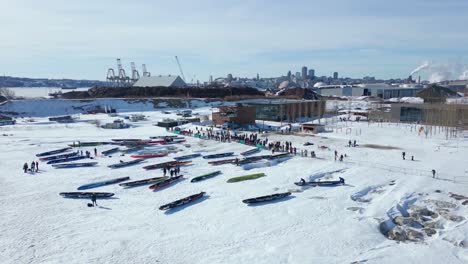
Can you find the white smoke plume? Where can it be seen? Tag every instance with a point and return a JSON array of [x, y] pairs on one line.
[[438, 72], [421, 67], [464, 75]]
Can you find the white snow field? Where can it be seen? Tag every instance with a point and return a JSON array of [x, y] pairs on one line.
[[315, 225]]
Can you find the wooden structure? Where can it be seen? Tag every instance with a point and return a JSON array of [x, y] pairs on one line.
[[312, 128], [238, 115]]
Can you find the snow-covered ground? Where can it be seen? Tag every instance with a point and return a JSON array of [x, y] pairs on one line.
[[316, 225]]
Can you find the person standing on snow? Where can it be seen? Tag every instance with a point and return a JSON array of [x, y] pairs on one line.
[[164, 171], [403, 154], [433, 173], [95, 152], [25, 167], [33, 167], [349, 143], [94, 199], [37, 166]]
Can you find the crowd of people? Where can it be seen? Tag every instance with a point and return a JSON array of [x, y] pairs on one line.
[[34, 167]]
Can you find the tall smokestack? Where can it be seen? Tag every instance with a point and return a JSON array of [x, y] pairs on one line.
[[419, 79]]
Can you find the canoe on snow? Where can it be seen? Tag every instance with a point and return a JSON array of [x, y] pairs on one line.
[[173, 163], [110, 151], [143, 182], [206, 176], [191, 156], [87, 144], [219, 155], [125, 164], [247, 177], [125, 139], [279, 156], [87, 195], [169, 136], [253, 159], [321, 183], [55, 161], [220, 162], [102, 183], [266, 198], [182, 201], [148, 155], [250, 152], [62, 156], [74, 165], [165, 183], [133, 149], [52, 152]]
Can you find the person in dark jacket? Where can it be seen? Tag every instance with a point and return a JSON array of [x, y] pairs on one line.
[[164, 171], [25, 167], [37, 166], [93, 199], [303, 182], [33, 167], [433, 173], [403, 154]]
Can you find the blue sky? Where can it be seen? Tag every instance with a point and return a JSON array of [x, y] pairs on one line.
[[82, 38]]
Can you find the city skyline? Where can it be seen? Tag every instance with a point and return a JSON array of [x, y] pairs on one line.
[[82, 39]]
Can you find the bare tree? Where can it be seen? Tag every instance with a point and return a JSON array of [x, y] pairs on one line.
[[8, 93]]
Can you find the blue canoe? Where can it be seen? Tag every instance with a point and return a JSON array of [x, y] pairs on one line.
[[55, 161], [74, 165], [188, 156], [219, 155]]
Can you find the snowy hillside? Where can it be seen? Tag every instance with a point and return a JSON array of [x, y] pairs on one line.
[[339, 224]]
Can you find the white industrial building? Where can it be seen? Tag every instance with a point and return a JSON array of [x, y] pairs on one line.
[[160, 81], [380, 90]]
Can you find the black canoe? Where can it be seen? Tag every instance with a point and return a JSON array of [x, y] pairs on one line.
[[110, 151], [321, 183], [125, 164], [102, 183], [61, 156], [266, 198], [182, 201], [53, 152], [165, 183], [143, 182], [86, 194]]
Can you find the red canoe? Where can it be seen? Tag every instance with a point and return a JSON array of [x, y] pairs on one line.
[[148, 156]]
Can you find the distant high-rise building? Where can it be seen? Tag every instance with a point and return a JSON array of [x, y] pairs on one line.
[[289, 74], [211, 79], [258, 76], [304, 72], [311, 73], [229, 77], [335, 75], [298, 75]]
